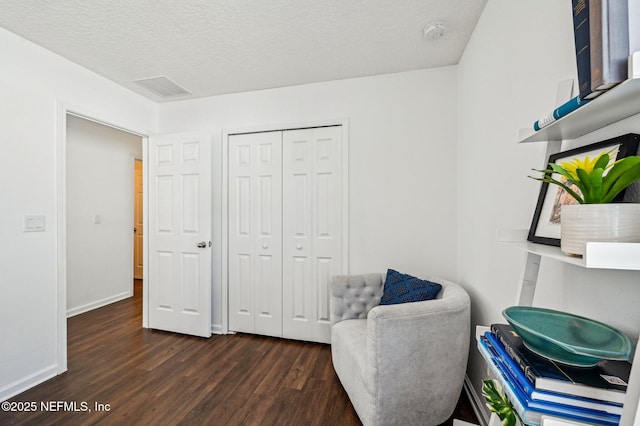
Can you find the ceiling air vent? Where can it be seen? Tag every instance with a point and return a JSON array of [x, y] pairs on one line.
[[163, 86]]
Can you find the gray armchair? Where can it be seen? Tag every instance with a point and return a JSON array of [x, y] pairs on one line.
[[400, 364]]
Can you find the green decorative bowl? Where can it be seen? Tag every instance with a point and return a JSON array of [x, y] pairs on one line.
[[567, 338]]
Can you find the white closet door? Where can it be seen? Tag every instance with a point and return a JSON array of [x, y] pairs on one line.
[[255, 233], [312, 228]]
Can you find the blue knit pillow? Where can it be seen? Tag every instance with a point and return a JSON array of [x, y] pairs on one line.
[[403, 288]]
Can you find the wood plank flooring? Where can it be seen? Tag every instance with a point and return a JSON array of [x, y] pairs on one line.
[[143, 376]]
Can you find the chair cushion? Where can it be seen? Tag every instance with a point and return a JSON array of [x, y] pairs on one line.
[[404, 288]]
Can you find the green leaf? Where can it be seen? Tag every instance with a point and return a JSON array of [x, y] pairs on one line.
[[624, 181], [619, 169], [567, 188], [603, 162], [499, 403], [595, 182], [585, 180], [509, 420], [561, 171]]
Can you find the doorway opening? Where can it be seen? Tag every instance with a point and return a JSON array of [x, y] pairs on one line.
[[64, 175], [100, 213]]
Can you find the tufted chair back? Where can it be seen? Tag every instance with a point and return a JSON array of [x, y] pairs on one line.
[[353, 296]]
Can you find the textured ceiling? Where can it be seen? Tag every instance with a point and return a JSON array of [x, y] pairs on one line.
[[213, 47]]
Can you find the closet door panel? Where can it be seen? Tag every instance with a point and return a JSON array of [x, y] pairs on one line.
[[297, 228], [327, 231], [312, 229], [241, 313], [327, 228], [255, 233], [268, 241]]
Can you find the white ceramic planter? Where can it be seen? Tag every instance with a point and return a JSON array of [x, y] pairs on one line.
[[582, 223]]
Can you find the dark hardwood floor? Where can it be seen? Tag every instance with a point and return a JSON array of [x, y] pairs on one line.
[[143, 376]]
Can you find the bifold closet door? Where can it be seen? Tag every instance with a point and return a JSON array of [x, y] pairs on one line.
[[255, 233], [312, 229]]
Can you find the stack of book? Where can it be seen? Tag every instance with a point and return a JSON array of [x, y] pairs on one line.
[[604, 34], [537, 386], [606, 37]]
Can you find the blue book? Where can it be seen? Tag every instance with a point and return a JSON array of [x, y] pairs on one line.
[[582, 40], [564, 109], [499, 352], [531, 411], [606, 381], [529, 417]]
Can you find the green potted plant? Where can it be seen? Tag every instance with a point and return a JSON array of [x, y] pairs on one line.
[[498, 403], [594, 184]]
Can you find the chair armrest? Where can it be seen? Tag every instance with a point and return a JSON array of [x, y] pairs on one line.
[[421, 346], [353, 296], [443, 318]]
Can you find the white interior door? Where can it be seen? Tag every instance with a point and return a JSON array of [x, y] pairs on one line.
[[312, 229], [255, 233], [179, 233]]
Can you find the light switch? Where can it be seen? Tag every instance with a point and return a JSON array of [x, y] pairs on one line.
[[98, 219], [35, 223]]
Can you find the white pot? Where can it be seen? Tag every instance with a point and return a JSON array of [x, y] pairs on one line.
[[582, 223]]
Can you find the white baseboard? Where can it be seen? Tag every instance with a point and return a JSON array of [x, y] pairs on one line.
[[25, 383], [216, 329], [98, 304], [477, 402]]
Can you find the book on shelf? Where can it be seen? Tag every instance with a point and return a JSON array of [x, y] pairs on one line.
[[609, 43], [531, 411], [564, 109], [581, 43], [498, 352], [607, 381], [529, 417]]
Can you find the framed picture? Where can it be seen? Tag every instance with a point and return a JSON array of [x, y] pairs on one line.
[[545, 227]]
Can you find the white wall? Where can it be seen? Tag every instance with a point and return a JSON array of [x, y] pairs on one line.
[[507, 79], [32, 83], [100, 165], [402, 152]]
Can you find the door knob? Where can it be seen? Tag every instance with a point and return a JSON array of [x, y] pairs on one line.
[[202, 244], [265, 246], [299, 247]]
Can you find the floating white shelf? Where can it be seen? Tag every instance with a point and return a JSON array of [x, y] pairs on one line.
[[614, 105], [622, 256]]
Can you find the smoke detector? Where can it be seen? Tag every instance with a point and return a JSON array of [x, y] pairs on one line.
[[434, 30]]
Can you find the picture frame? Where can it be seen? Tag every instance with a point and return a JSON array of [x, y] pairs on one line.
[[545, 226]]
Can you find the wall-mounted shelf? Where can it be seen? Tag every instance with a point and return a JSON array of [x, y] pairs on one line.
[[614, 105], [622, 256]]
